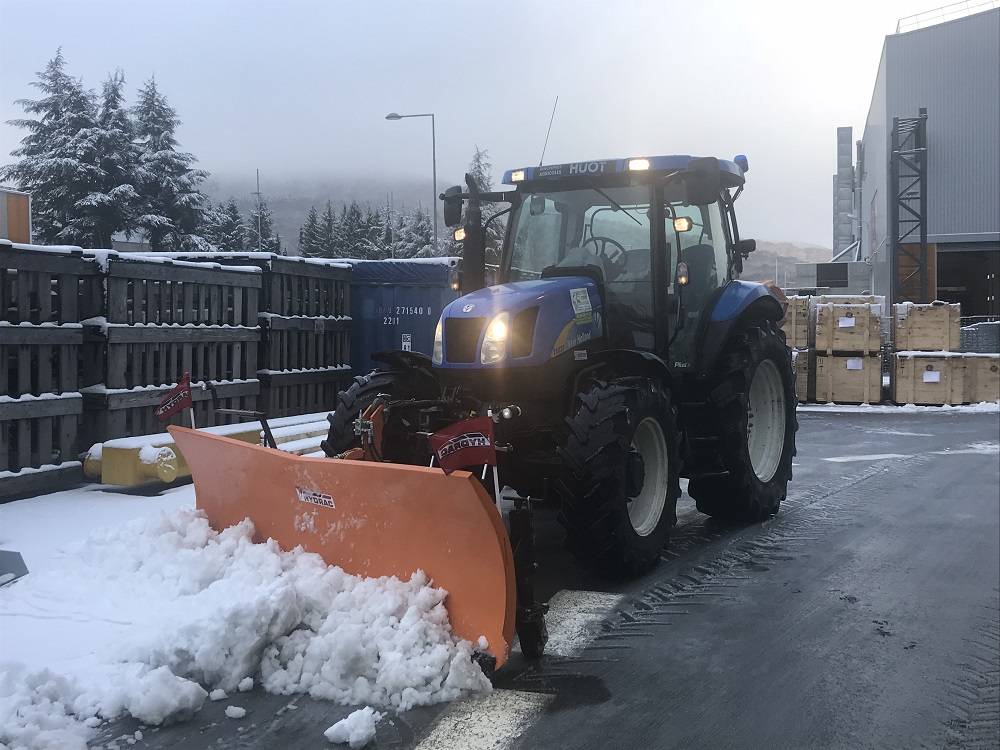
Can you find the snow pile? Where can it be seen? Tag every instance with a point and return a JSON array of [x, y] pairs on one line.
[[358, 729], [147, 618]]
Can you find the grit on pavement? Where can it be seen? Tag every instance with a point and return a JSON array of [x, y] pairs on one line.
[[865, 614]]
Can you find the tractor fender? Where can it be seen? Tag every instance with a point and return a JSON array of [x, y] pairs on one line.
[[739, 302], [621, 362], [400, 360]]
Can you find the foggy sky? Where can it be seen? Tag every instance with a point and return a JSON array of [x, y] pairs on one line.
[[300, 88]]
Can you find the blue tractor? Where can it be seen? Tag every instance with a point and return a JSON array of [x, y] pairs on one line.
[[615, 348]]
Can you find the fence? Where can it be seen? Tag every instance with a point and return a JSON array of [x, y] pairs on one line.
[[305, 328], [91, 340], [43, 295]]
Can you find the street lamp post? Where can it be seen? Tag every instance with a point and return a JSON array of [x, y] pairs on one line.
[[434, 214]]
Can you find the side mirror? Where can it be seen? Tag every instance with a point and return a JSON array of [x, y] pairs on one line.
[[745, 247], [536, 207], [702, 181], [452, 206]]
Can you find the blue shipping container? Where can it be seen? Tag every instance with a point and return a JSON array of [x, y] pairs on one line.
[[395, 305]]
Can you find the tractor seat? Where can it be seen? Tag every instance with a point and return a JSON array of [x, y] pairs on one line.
[[702, 271]]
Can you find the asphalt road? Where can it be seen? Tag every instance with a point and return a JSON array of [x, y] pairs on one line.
[[866, 614]]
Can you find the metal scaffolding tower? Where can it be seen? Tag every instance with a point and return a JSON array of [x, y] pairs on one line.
[[908, 210]]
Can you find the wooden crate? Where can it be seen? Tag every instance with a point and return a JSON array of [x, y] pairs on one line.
[[38, 443], [933, 327], [40, 286], [304, 391], [804, 366], [126, 356], [928, 379], [982, 377], [848, 328], [115, 413], [39, 359], [169, 291], [847, 299], [297, 343], [847, 379], [296, 286], [796, 323]]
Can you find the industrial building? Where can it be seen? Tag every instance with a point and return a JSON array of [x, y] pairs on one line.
[[917, 199]]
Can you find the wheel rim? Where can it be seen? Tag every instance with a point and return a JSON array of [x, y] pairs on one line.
[[766, 420], [645, 509]]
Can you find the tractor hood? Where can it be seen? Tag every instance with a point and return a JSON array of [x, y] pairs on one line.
[[545, 318]]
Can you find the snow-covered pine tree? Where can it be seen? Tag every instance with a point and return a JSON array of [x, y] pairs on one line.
[[413, 235], [422, 234], [327, 232], [57, 158], [113, 204], [309, 239], [349, 239], [481, 169], [172, 201], [224, 227], [260, 235]]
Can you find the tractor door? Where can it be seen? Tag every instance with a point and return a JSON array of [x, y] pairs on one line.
[[704, 249]]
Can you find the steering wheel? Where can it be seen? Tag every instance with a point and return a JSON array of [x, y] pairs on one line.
[[616, 258]]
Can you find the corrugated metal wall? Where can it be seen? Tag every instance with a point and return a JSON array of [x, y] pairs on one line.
[[874, 209], [953, 69]]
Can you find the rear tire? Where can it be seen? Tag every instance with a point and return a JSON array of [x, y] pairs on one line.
[[618, 510], [752, 402], [351, 404]]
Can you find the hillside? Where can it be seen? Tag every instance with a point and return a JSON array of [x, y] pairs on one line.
[[290, 200], [760, 266]]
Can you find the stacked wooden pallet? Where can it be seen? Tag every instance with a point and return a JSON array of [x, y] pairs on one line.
[[305, 328], [42, 295], [798, 336], [928, 366], [848, 348], [163, 318], [306, 336]]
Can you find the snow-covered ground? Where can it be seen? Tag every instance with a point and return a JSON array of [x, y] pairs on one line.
[[135, 605], [984, 407]]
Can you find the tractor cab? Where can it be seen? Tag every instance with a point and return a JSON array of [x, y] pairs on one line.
[[655, 238]]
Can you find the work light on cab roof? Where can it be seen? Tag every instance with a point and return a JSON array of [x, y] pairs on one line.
[[732, 171]]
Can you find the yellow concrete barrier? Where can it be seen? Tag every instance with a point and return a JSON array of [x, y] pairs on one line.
[[133, 461]]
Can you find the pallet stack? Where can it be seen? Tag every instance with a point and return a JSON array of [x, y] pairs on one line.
[[306, 352], [797, 337], [42, 297], [928, 366], [163, 318], [848, 344]]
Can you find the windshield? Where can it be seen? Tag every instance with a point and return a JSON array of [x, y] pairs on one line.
[[602, 226]]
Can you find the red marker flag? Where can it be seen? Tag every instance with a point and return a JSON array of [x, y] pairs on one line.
[[177, 398], [465, 443]]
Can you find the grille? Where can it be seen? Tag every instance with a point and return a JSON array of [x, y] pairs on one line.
[[461, 336], [522, 332]]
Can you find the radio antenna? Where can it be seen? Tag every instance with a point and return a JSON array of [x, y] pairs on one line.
[[546, 144]]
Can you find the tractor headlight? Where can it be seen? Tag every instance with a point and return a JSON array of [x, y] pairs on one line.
[[437, 355], [495, 340]]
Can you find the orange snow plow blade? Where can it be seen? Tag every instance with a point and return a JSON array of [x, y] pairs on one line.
[[371, 519]]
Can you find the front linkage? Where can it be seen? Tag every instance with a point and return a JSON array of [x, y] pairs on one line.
[[517, 514]]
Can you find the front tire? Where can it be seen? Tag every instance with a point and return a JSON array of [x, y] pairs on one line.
[[752, 410], [620, 479], [398, 446]]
